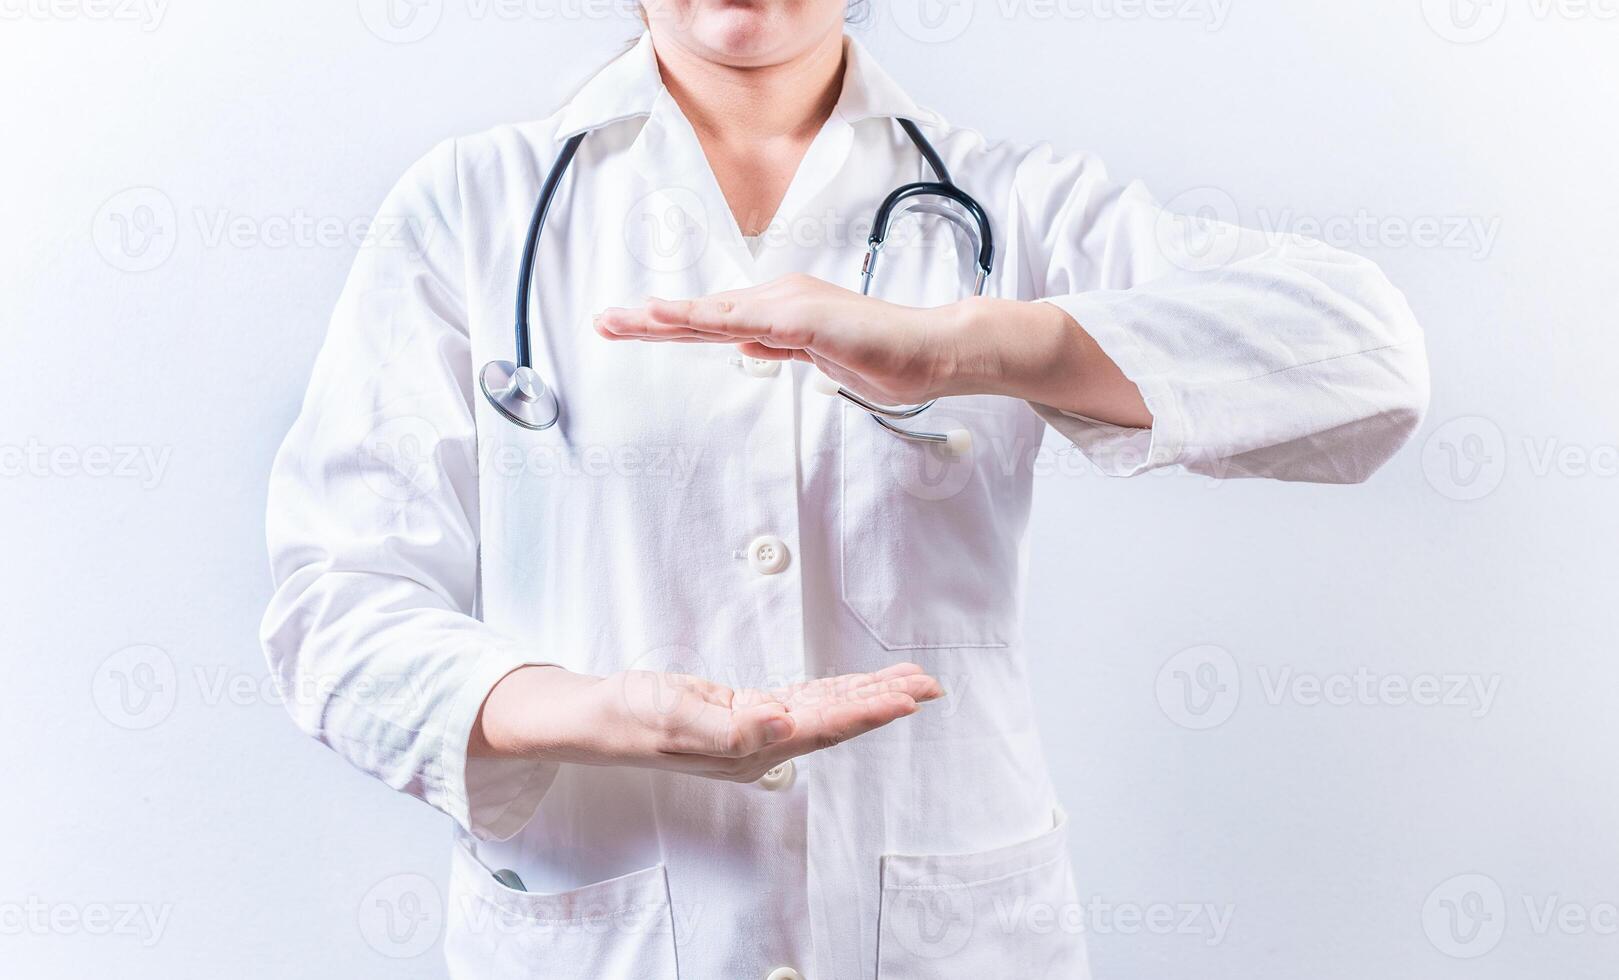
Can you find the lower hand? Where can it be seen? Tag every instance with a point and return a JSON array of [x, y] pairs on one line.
[[687, 724]]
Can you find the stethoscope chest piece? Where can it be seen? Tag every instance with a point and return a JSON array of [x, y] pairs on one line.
[[520, 394]]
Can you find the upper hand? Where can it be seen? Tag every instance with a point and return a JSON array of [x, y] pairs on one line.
[[902, 354], [890, 353]]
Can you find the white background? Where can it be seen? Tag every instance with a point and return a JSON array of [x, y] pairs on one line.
[[1331, 840]]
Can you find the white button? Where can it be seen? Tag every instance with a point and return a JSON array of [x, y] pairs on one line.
[[761, 368], [780, 777], [768, 555], [785, 973]]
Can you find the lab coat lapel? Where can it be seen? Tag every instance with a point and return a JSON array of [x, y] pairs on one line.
[[683, 203], [822, 162]]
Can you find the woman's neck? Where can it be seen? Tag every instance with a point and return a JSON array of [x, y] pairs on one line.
[[755, 124], [732, 105]]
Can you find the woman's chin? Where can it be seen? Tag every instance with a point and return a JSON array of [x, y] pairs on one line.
[[746, 36]]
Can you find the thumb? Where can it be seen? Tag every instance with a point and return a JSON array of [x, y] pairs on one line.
[[747, 731]]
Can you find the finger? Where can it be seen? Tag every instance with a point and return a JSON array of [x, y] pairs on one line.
[[831, 687], [744, 315], [919, 687], [764, 352], [900, 670], [621, 324], [838, 722], [721, 313], [822, 690], [728, 733], [919, 684], [809, 692]]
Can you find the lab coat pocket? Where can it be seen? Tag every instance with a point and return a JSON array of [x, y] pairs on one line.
[[621, 928], [931, 542], [1010, 912]]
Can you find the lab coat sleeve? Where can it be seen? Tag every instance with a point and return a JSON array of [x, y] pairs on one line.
[[1258, 355], [373, 528]]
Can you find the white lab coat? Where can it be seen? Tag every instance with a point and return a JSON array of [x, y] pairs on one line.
[[422, 547]]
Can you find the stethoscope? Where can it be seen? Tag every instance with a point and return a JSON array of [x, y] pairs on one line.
[[518, 393]]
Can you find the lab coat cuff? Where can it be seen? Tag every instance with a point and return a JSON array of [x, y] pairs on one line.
[[1118, 450], [492, 799]]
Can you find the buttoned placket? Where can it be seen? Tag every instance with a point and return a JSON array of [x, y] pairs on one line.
[[766, 531]]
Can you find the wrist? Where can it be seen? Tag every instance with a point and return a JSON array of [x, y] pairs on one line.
[[1006, 347]]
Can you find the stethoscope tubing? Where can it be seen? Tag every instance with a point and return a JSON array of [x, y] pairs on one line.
[[531, 247], [517, 392]]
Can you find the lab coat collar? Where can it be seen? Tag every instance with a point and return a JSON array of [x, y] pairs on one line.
[[630, 86], [869, 92]]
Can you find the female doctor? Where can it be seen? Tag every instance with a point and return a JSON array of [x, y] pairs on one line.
[[719, 677]]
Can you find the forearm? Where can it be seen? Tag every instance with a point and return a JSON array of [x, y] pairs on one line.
[[536, 712], [1037, 352]]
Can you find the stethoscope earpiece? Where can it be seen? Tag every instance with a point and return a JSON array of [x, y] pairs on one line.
[[956, 442], [520, 394]]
